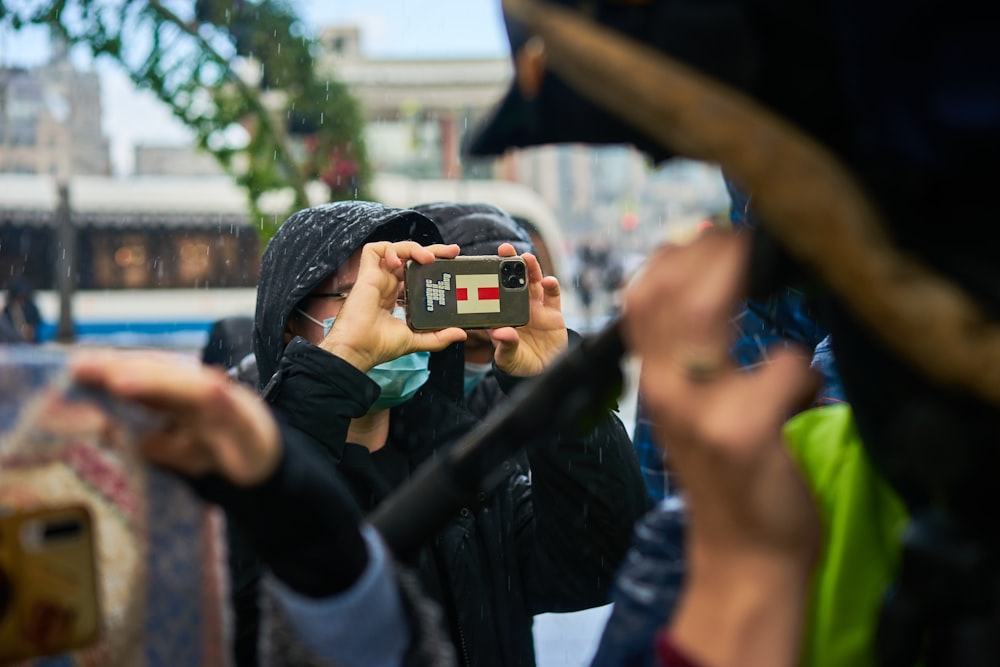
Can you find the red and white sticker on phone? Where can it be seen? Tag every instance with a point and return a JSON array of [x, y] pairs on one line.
[[473, 292]]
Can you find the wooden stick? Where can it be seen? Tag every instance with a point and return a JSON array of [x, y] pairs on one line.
[[805, 197]]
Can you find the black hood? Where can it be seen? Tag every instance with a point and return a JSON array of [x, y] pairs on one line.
[[478, 229], [308, 247], [230, 340]]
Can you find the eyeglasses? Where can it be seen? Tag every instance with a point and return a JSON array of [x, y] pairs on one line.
[[340, 296], [328, 295]]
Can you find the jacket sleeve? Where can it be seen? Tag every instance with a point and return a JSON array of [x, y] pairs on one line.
[[318, 394], [574, 523], [326, 635], [328, 627], [314, 396]]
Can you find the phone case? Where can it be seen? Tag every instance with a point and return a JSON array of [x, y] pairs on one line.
[[474, 292], [48, 582]]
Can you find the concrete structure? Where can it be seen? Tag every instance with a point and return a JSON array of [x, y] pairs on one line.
[[156, 160], [419, 110]]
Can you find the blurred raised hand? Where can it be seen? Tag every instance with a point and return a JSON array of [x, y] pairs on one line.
[[210, 424], [754, 533]]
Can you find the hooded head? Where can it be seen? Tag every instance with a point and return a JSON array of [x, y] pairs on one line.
[[478, 229], [229, 341], [308, 247]]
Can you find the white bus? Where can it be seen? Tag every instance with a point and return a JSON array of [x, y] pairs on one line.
[[159, 259]]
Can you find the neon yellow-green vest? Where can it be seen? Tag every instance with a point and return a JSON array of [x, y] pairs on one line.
[[863, 520]]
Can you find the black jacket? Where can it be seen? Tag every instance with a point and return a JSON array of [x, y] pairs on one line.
[[548, 543]]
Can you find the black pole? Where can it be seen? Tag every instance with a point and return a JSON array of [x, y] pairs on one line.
[[587, 377], [65, 266]]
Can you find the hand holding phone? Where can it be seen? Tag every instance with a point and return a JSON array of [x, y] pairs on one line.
[[470, 292], [48, 582]]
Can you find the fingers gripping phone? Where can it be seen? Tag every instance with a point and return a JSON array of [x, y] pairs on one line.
[[474, 292], [48, 582]]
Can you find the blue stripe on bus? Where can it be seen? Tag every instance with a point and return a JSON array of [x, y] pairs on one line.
[[48, 330], [186, 335]]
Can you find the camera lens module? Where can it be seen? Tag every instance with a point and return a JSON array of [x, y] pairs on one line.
[[513, 275]]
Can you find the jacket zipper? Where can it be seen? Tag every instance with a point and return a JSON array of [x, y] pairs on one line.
[[465, 649]]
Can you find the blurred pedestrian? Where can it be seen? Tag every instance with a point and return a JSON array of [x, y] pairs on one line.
[[21, 311]]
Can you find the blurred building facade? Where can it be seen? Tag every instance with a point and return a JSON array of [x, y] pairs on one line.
[[163, 160], [50, 120], [420, 112]]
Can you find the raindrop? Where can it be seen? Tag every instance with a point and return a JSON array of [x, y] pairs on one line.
[[321, 115]]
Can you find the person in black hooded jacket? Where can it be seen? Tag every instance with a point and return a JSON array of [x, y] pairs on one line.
[[545, 542]]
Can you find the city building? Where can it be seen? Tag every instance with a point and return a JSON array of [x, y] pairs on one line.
[[163, 160], [419, 112], [50, 120]]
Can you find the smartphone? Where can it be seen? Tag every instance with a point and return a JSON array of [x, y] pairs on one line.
[[48, 582], [473, 292]]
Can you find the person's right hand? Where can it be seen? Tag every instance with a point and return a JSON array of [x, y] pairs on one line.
[[365, 333], [722, 425], [211, 424], [754, 529], [529, 349]]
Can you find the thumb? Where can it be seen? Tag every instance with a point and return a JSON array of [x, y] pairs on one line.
[[505, 340]]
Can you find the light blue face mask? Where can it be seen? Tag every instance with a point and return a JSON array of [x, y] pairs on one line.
[[474, 374], [400, 378]]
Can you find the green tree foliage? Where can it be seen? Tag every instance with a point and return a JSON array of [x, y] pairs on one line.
[[223, 64]]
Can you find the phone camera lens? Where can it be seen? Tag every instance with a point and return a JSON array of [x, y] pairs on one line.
[[512, 275]]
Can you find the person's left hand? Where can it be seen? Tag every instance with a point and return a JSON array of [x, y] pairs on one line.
[[366, 333], [529, 349], [212, 425]]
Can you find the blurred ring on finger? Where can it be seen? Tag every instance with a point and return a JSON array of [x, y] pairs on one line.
[[703, 369]]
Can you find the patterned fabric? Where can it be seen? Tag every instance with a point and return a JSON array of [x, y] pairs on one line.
[[159, 550], [650, 456], [754, 335]]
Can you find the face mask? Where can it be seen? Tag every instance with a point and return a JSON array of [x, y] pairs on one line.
[[400, 378], [474, 374], [327, 324]]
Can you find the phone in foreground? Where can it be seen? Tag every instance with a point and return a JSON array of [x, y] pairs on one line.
[[473, 292], [48, 582]]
